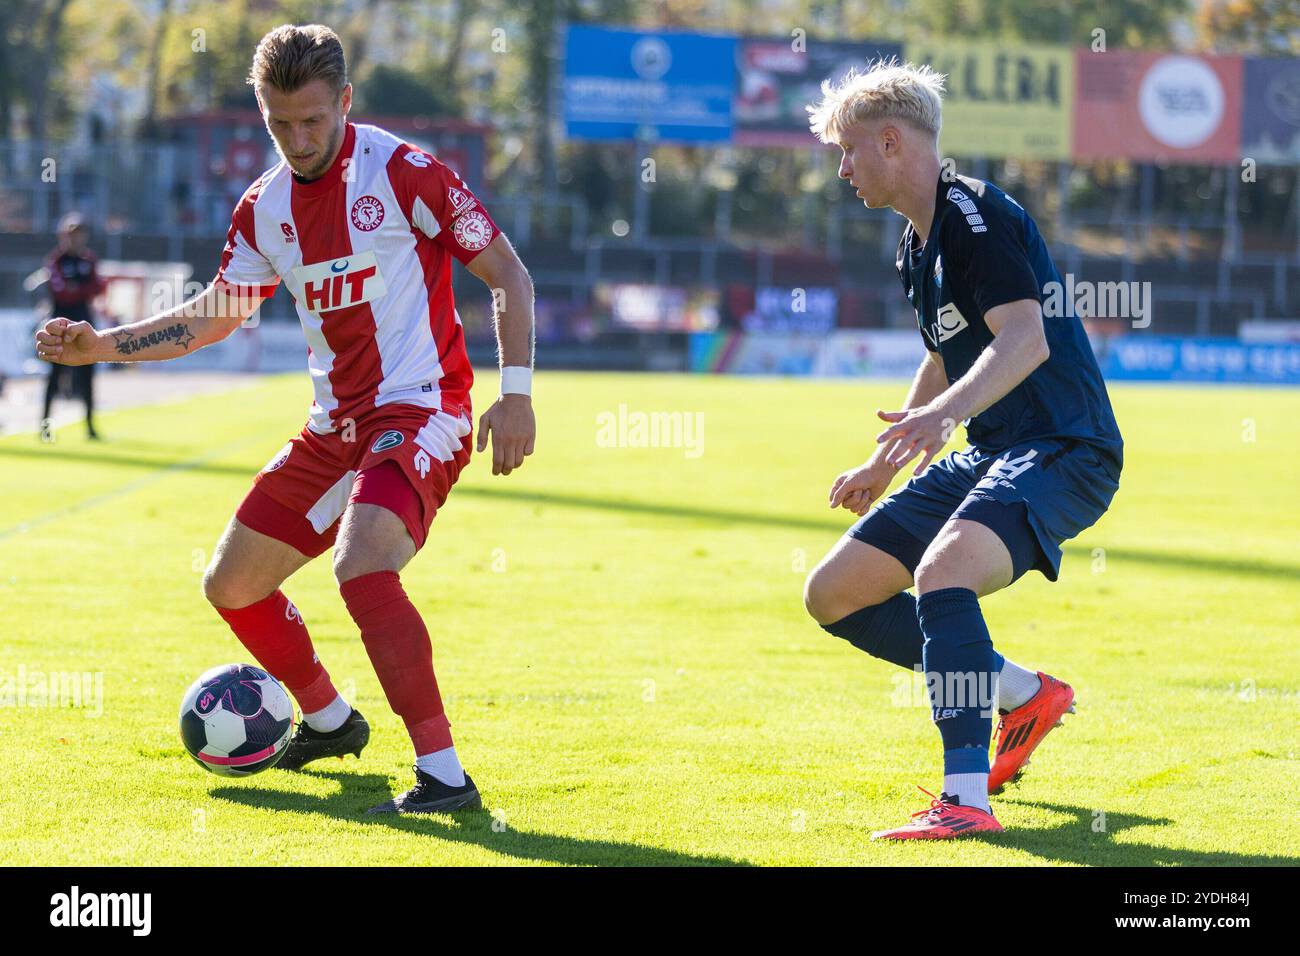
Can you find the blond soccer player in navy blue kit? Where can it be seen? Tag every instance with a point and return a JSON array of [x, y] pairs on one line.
[[1043, 460]]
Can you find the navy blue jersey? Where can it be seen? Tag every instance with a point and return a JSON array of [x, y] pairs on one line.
[[983, 251]]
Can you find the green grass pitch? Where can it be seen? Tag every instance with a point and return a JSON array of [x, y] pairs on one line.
[[621, 642]]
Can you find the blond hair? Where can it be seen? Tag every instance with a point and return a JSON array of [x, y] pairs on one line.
[[885, 90], [290, 57]]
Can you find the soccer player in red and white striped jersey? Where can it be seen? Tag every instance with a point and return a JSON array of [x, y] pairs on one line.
[[361, 228]]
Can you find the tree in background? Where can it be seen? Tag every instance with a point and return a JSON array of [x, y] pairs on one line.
[[500, 62], [1133, 24], [1251, 27], [35, 50]]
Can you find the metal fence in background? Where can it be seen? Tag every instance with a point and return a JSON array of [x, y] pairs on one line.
[[146, 201]]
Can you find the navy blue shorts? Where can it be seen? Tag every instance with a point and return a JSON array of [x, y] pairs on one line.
[[1033, 496]]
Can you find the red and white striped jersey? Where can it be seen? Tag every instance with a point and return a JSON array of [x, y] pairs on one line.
[[366, 252]]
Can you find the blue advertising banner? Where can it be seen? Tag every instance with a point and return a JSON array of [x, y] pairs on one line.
[[1164, 359], [1270, 111], [665, 87]]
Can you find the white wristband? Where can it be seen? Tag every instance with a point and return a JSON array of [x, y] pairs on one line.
[[516, 380]]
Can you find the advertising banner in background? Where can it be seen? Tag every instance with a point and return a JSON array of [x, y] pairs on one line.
[[742, 353], [854, 353], [896, 353], [1269, 330], [1003, 100], [848, 353], [808, 311], [1164, 359], [17, 345], [266, 347], [1270, 111], [664, 87], [657, 308], [775, 81], [1033, 101], [1157, 107]]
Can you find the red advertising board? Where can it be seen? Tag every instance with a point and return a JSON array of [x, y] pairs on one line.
[[1157, 107]]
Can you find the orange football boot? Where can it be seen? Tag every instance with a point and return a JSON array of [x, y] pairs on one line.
[[944, 820], [1023, 729]]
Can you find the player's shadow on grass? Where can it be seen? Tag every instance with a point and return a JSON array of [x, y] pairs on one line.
[[358, 792], [1191, 562], [1087, 839]]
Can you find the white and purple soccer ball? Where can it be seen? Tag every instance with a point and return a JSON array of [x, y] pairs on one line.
[[236, 720]]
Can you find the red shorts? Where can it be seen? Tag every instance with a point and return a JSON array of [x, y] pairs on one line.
[[402, 457]]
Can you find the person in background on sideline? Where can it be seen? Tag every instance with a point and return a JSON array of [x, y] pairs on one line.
[[74, 282]]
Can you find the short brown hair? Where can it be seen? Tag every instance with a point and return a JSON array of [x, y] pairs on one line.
[[290, 57]]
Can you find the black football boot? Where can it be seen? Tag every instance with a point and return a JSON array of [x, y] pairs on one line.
[[430, 795], [308, 745]]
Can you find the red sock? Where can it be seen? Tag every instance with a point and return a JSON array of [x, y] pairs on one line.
[[273, 632], [399, 648]]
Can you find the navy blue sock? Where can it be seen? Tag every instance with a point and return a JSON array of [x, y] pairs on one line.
[[889, 631], [960, 668]]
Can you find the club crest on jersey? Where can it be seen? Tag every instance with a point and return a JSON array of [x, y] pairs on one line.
[[340, 283], [281, 457], [473, 231], [367, 213], [389, 439]]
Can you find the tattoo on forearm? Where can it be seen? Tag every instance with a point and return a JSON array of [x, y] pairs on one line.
[[128, 343]]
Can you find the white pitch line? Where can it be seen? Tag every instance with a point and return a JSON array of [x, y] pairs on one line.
[[130, 487]]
